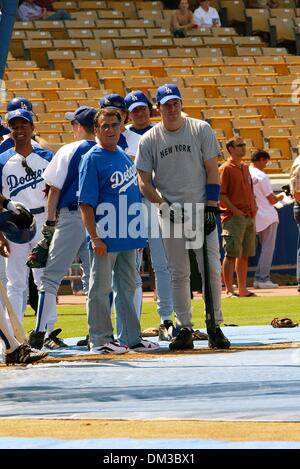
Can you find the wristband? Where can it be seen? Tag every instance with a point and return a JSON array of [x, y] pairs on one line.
[[213, 192]]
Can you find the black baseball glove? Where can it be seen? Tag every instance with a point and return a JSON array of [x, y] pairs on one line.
[[210, 218], [39, 255]]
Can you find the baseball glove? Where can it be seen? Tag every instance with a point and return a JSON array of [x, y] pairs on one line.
[[283, 322], [39, 255], [210, 218]]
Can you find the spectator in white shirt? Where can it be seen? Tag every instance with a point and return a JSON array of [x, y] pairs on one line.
[[206, 16], [266, 219]]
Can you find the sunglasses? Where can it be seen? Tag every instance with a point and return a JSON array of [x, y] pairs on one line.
[[113, 126], [29, 171], [241, 145]]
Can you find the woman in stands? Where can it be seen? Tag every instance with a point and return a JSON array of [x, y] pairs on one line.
[[182, 19]]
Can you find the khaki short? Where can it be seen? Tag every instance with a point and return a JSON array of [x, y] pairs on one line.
[[239, 236]]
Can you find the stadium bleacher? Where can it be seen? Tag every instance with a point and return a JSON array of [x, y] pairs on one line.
[[236, 81]]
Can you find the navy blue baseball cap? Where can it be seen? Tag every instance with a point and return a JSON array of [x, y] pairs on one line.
[[114, 101], [19, 103], [84, 115], [136, 99], [166, 92], [22, 113], [3, 130]]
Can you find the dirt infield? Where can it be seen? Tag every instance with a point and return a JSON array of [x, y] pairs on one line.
[[161, 353], [153, 429]]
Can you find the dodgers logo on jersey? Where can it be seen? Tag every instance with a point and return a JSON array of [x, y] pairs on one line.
[[16, 185], [124, 180]]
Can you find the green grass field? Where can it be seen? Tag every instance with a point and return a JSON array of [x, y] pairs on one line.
[[239, 311]]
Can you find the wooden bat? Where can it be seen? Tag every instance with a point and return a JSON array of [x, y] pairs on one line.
[[209, 305], [15, 322]]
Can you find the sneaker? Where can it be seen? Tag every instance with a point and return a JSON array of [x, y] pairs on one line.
[[184, 340], [24, 354], [267, 284], [166, 330], [84, 342], [36, 339], [218, 340], [113, 347], [145, 346], [53, 342]]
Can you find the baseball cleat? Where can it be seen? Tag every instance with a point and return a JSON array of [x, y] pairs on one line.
[[84, 342], [24, 354], [184, 340], [166, 330], [218, 340], [145, 346], [36, 339], [53, 342]]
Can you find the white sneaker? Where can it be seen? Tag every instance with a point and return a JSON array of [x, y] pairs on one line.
[[145, 346], [113, 347], [267, 284]]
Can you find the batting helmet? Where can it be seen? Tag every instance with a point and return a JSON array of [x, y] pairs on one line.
[[19, 228], [19, 103]]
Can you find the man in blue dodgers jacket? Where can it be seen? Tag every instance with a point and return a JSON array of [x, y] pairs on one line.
[[109, 199]]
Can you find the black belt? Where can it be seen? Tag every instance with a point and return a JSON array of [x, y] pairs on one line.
[[73, 207], [36, 211]]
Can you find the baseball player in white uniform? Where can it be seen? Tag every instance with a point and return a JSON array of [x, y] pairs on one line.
[[182, 153], [15, 351], [21, 180], [69, 238]]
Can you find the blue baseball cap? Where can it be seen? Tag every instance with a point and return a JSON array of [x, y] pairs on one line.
[[166, 92], [136, 99], [3, 130], [84, 115], [114, 101], [19, 103], [22, 113]]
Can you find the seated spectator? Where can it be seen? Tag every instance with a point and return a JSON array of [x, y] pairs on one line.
[[30, 11], [45, 4], [206, 16], [182, 19]]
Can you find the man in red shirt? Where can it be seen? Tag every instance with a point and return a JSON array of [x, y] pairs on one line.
[[238, 217]]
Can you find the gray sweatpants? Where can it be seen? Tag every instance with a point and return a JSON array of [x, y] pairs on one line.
[[68, 240], [117, 268], [179, 266]]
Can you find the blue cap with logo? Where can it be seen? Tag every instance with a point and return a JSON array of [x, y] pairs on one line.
[[84, 115], [3, 130], [166, 92], [114, 101], [22, 113], [136, 99], [19, 103]]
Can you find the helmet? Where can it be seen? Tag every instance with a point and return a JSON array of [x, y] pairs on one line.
[[19, 103], [19, 228]]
